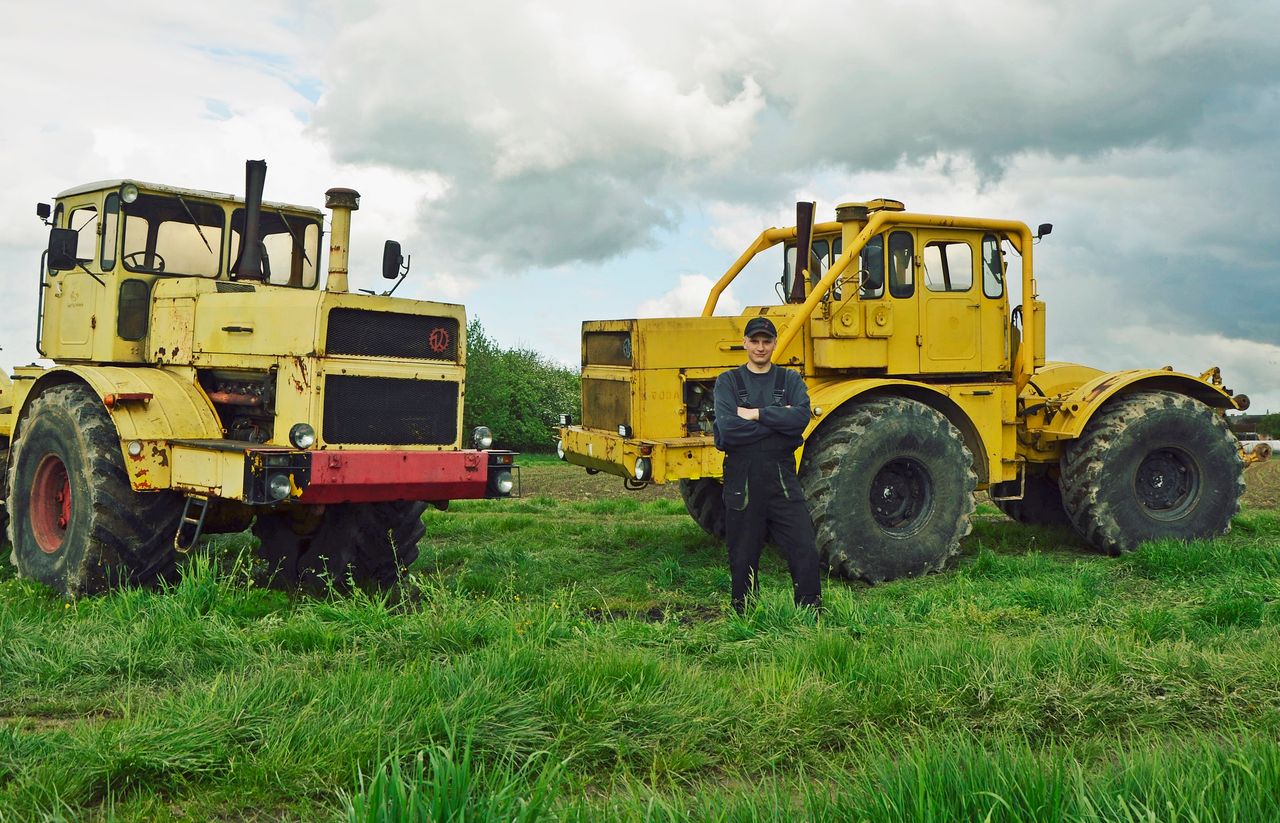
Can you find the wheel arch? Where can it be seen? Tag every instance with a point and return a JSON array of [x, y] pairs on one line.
[[1080, 405], [160, 407], [833, 397]]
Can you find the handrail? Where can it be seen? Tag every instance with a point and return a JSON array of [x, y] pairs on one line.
[[767, 239]]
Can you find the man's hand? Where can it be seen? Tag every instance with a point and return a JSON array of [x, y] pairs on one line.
[[748, 414]]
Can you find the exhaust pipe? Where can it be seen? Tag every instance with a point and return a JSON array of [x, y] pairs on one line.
[[342, 202], [248, 265]]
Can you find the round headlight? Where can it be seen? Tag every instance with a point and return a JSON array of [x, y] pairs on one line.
[[302, 436], [503, 482], [482, 437], [128, 192], [278, 486], [643, 468], [560, 448]]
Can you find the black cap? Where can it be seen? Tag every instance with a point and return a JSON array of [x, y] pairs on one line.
[[759, 325]]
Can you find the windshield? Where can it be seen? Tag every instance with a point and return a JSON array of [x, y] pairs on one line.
[[291, 246], [172, 235]]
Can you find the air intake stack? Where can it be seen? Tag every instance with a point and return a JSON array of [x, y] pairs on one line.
[[342, 202]]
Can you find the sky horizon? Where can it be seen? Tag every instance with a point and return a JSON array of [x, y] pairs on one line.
[[546, 165]]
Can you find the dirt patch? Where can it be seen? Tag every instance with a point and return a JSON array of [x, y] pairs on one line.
[[565, 482], [562, 481], [1262, 485]]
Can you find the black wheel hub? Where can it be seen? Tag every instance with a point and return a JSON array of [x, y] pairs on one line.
[[1167, 483], [901, 495]]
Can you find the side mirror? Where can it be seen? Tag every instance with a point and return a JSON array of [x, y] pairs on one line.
[[1044, 229], [43, 210], [63, 244], [392, 261]]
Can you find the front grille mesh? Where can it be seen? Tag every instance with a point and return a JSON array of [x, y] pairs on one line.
[[392, 334], [390, 411], [606, 404]]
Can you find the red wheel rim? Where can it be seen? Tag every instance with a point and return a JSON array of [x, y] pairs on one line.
[[50, 504]]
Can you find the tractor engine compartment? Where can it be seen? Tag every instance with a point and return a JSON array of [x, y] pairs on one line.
[[244, 401]]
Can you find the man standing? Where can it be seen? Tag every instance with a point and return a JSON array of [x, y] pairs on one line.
[[761, 414]]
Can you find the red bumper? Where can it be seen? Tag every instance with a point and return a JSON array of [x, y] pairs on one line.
[[373, 477]]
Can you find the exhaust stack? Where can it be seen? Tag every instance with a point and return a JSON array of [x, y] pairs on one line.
[[342, 202], [248, 265]]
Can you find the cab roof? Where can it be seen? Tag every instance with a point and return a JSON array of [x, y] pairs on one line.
[[158, 188]]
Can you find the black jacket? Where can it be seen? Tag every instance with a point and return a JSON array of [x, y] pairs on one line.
[[781, 424]]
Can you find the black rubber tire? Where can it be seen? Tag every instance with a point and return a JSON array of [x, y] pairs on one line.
[[704, 500], [886, 446], [1041, 503], [113, 535], [370, 545], [1116, 476]]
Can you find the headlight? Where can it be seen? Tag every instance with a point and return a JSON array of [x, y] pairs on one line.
[[503, 482], [560, 448], [644, 468], [302, 436], [128, 192], [482, 437], [278, 486]]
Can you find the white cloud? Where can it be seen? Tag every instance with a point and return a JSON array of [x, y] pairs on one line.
[[688, 298]]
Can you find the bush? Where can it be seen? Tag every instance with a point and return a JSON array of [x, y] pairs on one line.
[[518, 393]]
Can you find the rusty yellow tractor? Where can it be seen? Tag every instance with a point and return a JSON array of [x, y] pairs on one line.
[[204, 382], [925, 387]]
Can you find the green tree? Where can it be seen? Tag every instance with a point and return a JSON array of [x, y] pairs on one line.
[[518, 393], [1269, 426]]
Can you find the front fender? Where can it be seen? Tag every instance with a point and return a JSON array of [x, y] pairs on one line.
[[153, 406], [1078, 406], [983, 437]]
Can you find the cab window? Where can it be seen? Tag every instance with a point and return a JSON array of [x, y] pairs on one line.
[[901, 264], [948, 266], [871, 268], [84, 221], [992, 267], [110, 225]]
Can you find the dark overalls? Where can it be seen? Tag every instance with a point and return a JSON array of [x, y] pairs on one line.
[[762, 494]]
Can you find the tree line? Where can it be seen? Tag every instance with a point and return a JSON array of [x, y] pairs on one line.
[[518, 393]]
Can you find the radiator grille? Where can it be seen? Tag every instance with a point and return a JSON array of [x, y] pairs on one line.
[[607, 348], [390, 411], [392, 334], [606, 404]]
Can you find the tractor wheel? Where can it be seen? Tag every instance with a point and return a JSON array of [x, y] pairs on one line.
[[1041, 503], [890, 487], [1152, 465], [704, 499], [366, 544], [75, 523]]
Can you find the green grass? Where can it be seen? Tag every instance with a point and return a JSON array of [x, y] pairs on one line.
[[576, 661]]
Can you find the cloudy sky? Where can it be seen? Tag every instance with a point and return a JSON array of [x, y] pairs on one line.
[[546, 163]]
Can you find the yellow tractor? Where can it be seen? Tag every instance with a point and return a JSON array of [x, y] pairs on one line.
[[925, 387], [204, 382]]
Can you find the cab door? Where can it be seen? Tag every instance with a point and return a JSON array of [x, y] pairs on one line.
[[950, 339]]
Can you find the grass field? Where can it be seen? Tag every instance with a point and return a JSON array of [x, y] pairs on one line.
[[569, 656]]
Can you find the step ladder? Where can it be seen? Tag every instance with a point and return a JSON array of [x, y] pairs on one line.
[[192, 523]]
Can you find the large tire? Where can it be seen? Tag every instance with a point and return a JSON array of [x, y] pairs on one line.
[[890, 487], [1041, 502], [369, 545], [1152, 465], [75, 523], [704, 500]]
